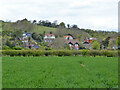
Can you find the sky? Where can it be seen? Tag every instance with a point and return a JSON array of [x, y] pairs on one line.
[[88, 14]]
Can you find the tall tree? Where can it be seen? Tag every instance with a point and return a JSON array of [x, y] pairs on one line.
[[96, 45], [34, 21], [62, 24], [75, 26], [68, 25], [118, 41]]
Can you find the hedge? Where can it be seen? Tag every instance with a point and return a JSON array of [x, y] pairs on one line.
[[94, 53]]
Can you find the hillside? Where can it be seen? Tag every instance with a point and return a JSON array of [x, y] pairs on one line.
[[30, 27], [41, 29], [80, 34], [25, 26]]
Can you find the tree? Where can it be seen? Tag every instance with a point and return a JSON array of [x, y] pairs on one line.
[[68, 25], [95, 45], [39, 38], [105, 42], [118, 41], [60, 32], [40, 22], [111, 43], [75, 26], [62, 24], [54, 24], [51, 32], [34, 21], [58, 43], [34, 35], [10, 44]]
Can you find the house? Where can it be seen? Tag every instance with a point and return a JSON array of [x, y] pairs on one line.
[[87, 45], [28, 41], [49, 38], [25, 37], [89, 40], [68, 37], [73, 43]]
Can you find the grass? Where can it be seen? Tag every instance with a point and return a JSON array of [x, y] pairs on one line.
[[40, 29], [60, 72]]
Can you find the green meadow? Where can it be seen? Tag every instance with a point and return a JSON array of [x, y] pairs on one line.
[[60, 72]]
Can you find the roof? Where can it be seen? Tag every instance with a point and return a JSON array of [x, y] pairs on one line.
[[73, 41], [92, 39], [50, 34], [68, 36], [49, 39], [85, 42]]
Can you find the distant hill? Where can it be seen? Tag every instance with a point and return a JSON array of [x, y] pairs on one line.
[[81, 34]]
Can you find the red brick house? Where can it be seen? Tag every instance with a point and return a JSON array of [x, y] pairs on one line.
[[73, 43], [49, 37], [68, 37]]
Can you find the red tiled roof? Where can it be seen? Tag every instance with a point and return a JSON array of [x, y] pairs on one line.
[[73, 41], [68, 36], [50, 34]]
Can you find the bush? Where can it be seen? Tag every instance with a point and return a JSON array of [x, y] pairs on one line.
[[94, 53], [16, 48], [5, 47], [109, 53], [84, 52]]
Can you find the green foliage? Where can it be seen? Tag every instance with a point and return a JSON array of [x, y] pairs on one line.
[[37, 36], [10, 44], [59, 72], [111, 44], [60, 53], [96, 45], [16, 48], [62, 24], [15, 30], [68, 47], [5, 47], [105, 43], [118, 41]]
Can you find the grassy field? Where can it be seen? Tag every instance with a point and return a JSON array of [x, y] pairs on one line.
[[40, 29], [60, 72]]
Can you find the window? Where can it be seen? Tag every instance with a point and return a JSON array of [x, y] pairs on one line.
[[70, 45], [76, 44], [71, 38]]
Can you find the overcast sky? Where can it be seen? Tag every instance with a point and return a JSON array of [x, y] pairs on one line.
[[89, 14]]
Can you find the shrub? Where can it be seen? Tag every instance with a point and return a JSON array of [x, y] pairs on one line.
[[94, 53], [84, 52], [16, 48], [4, 47]]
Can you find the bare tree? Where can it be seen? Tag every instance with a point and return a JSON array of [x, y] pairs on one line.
[[58, 43]]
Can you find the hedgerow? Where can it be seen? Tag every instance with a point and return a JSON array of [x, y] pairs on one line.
[[94, 53]]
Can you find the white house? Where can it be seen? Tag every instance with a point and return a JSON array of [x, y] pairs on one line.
[[49, 37]]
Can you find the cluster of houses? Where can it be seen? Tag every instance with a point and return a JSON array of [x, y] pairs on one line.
[[29, 42], [72, 42]]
